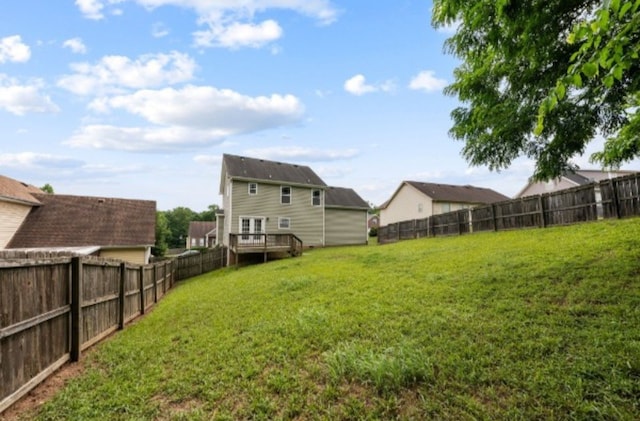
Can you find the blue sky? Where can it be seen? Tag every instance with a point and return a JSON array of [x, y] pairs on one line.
[[140, 98]]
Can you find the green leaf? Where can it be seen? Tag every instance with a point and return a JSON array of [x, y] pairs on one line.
[[560, 90], [608, 81], [624, 9], [603, 20], [590, 69], [617, 72], [615, 5], [577, 80]]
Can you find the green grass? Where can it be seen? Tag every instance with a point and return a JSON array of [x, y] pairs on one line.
[[535, 324]]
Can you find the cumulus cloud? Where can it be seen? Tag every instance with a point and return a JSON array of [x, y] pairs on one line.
[[426, 81], [13, 49], [229, 24], [238, 35], [75, 45], [113, 73], [357, 85], [138, 139], [302, 154], [20, 99], [187, 117], [31, 160]]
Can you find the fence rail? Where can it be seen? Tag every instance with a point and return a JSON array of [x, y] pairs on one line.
[[613, 198], [53, 307]]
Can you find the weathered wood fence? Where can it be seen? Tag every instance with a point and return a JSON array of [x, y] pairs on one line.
[[614, 198], [52, 307]]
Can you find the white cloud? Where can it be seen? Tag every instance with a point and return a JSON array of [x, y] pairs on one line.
[[288, 153], [137, 139], [211, 160], [113, 73], [426, 81], [75, 45], [31, 160], [205, 107], [13, 49], [159, 30], [357, 85], [238, 35], [184, 118], [91, 9], [20, 99], [230, 23]]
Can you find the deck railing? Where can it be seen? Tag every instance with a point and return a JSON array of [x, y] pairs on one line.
[[265, 243]]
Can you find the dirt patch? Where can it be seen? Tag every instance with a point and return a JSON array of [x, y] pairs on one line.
[[26, 407]]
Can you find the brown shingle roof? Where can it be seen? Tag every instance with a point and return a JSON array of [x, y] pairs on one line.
[[199, 229], [458, 194], [261, 169], [343, 198], [71, 221], [18, 191]]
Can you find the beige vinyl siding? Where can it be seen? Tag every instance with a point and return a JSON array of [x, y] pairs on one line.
[[131, 255], [11, 217], [408, 203], [306, 220], [345, 227]]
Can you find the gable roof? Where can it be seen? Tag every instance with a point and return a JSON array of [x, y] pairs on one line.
[[17, 191], [74, 221], [582, 177], [240, 167], [342, 197], [460, 194], [200, 229], [452, 193]]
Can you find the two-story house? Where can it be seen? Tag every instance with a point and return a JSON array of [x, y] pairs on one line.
[[267, 203]]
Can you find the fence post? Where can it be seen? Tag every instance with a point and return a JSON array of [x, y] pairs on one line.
[[155, 283], [494, 217], [543, 220], [142, 300], [76, 308], [121, 298], [164, 281], [614, 198]]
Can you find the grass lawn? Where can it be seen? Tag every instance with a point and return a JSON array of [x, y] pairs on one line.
[[533, 324]]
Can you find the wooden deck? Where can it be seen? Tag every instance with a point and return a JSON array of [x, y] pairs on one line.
[[264, 244]]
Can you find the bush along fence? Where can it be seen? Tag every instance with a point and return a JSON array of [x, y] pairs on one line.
[[614, 198], [53, 307]]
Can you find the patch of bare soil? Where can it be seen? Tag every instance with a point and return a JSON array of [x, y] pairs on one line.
[[26, 407]]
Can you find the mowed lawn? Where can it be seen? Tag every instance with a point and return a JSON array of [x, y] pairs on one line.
[[532, 324]]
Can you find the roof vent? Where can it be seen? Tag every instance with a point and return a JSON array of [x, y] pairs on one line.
[[100, 200]]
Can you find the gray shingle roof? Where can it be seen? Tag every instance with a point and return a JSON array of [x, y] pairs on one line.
[[199, 229], [458, 194], [344, 198], [72, 221], [261, 169]]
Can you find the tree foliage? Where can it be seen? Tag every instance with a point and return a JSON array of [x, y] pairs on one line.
[[540, 78], [178, 223], [47, 188], [162, 235]]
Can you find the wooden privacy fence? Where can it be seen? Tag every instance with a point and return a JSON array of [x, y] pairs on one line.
[[614, 198], [53, 307]]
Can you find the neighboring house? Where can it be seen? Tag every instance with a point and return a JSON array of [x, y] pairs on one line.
[[268, 197], [345, 217], [569, 180], [16, 201], [374, 222], [201, 234], [114, 228], [418, 200]]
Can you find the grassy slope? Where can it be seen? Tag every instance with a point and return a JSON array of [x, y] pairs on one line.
[[538, 324]]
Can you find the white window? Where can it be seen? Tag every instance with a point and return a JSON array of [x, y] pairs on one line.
[[446, 207], [285, 195], [315, 197], [419, 207], [284, 223], [253, 189]]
